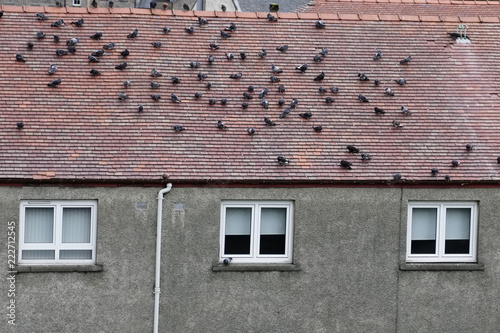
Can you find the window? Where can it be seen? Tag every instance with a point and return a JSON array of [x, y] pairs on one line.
[[57, 232], [256, 232], [77, 3], [441, 232]]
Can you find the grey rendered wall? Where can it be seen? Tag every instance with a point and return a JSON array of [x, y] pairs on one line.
[[348, 243]]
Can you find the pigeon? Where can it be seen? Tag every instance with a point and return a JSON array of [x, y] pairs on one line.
[[72, 41], [175, 80], [179, 128], [20, 125], [125, 53], [212, 101], [94, 72], [320, 24], [366, 156], [155, 97], [281, 88], [194, 64], [140, 109], [40, 35], [96, 36], [156, 44], [282, 48], [57, 23], [388, 91], [111, 3], [208, 85], [377, 55], [322, 90], [400, 81], [320, 77], [185, 6], [202, 21], [469, 147], [94, 3], [198, 94], [122, 96], [30, 45], [52, 69], [154, 85], [223, 101], [41, 16], [346, 164], [396, 124], [329, 99], [335, 90], [271, 18], [232, 27], [262, 53], [282, 160], [221, 125], [397, 177], [318, 128], [264, 92], [243, 55], [405, 60], [92, 59], [455, 163], [20, 57], [211, 58], [201, 76], [324, 51], [174, 98], [127, 83], [229, 56], [155, 73], [54, 83], [71, 49], [274, 79], [251, 89], [189, 30], [247, 95], [405, 111], [57, 39], [265, 103], [285, 113], [353, 149], [109, 46], [498, 160], [276, 69], [214, 46], [301, 68], [281, 101], [294, 103], [98, 53], [236, 76], [224, 34], [362, 98], [317, 58], [434, 171], [61, 53], [306, 115], [376, 82], [152, 4], [78, 23], [121, 66], [244, 105], [166, 29], [363, 77], [251, 131], [447, 178], [223, 8], [379, 110], [269, 122]]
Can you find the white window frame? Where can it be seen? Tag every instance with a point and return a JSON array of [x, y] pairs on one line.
[[57, 244], [440, 256], [77, 3], [254, 256]]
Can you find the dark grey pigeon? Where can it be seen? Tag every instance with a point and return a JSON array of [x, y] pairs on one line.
[[281, 102], [455, 163], [20, 125], [122, 96], [320, 77], [57, 39], [109, 46], [397, 177], [54, 83], [140, 109], [264, 92], [127, 83], [335, 90], [302, 68], [244, 105], [221, 125], [211, 58], [251, 89], [194, 64], [155, 85], [405, 60], [208, 85], [269, 122], [274, 79], [20, 57], [243, 55], [247, 95], [306, 115], [377, 55], [376, 82], [198, 94], [320, 24], [155, 97], [366, 156], [281, 88], [175, 80], [324, 51], [96, 36], [318, 128], [265, 103], [294, 103], [41, 16], [353, 149], [379, 110], [388, 91], [166, 29], [329, 100], [125, 53], [346, 164], [363, 77], [72, 41], [71, 49], [52, 69], [317, 58], [405, 111], [285, 113], [189, 30], [152, 4], [223, 101], [214, 46], [61, 53], [202, 21], [363, 98], [276, 69], [185, 6], [156, 44], [30, 45], [271, 18], [322, 90], [283, 160], [223, 8], [179, 128], [224, 34], [251, 131], [78, 23], [212, 101], [155, 73], [94, 72], [229, 56], [282, 48], [57, 23], [262, 53], [434, 171], [469, 147], [232, 27], [396, 124], [201, 76], [98, 53], [236, 76], [400, 81], [92, 59], [174, 98], [40, 35]]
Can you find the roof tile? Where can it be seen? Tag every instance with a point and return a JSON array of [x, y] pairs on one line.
[[489, 19], [349, 17], [369, 17]]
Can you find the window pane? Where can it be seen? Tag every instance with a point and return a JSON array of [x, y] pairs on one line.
[[423, 230], [238, 226], [75, 254], [38, 225], [76, 225], [272, 230], [457, 230], [38, 254]]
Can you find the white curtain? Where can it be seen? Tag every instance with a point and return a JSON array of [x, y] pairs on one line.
[[38, 225], [238, 221], [273, 221], [423, 223], [458, 223], [76, 225]]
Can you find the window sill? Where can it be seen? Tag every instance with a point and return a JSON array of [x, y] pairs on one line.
[[255, 267], [58, 268], [441, 267]]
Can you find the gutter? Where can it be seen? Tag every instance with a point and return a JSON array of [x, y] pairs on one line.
[[157, 291]]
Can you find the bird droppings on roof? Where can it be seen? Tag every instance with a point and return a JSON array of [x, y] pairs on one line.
[[450, 104]]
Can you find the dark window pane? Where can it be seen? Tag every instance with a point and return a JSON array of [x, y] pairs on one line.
[[272, 244], [456, 246], [427, 246], [237, 244]]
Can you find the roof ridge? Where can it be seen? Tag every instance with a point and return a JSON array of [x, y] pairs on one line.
[[418, 2], [262, 15]]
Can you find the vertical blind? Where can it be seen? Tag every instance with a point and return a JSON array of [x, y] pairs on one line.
[[424, 223], [76, 225], [39, 225], [458, 223]]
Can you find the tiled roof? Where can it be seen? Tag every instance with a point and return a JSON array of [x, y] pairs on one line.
[[80, 130]]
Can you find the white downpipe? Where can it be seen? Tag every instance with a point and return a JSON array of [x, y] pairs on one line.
[[158, 255]]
